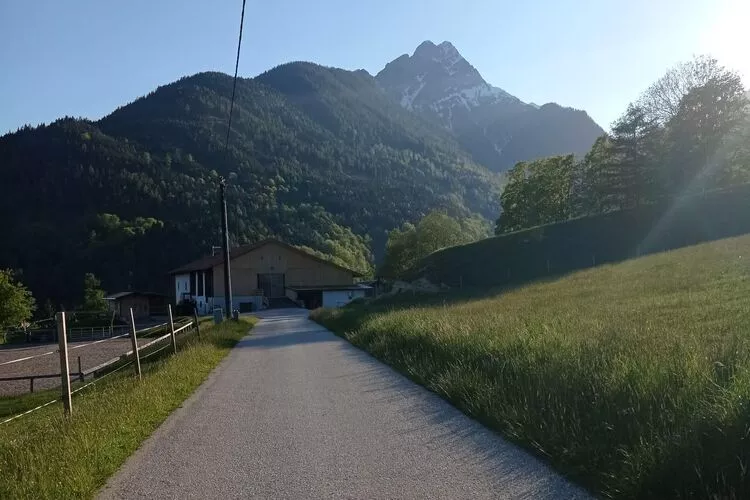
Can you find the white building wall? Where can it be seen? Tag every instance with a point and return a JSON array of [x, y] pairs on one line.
[[182, 285], [338, 298]]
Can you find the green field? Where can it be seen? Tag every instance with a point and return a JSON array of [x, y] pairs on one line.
[[631, 378], [45, 455]]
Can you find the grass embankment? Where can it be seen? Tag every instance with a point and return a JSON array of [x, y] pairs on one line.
[[634, 378], [45, 455]]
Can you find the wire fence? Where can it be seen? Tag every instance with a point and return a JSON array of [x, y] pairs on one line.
[[98, 359]]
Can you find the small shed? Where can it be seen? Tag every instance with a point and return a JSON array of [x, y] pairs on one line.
[[144, 304]]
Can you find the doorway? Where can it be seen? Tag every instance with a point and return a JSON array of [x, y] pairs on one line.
[[272, 285]]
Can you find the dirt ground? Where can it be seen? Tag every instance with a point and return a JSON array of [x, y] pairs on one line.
[[44, 359]]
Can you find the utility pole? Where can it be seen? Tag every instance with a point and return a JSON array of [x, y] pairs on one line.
[[225, 243]]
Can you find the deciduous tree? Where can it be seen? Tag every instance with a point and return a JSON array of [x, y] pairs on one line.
[[16, 302], [707, 115], [93, 295], [538, 192], [407, 246]]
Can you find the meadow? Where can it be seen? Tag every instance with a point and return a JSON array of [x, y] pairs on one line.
[[633, 378]]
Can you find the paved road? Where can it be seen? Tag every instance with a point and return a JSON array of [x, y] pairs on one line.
[[295, 412]]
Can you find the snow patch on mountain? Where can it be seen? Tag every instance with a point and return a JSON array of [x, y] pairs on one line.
[[474, 94], [410, 94]]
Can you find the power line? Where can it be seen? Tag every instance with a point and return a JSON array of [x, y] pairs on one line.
[[223, 184], [234, 83]]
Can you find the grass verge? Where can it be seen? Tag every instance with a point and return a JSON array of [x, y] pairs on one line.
[[633, 379], [45, 455]]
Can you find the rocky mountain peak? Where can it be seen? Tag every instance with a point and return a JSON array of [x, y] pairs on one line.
[[437, 77], [439, 83]]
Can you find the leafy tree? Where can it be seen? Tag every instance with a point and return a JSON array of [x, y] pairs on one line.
[[400, 251], [734, 156], [16, 302], [589, 177], [662, 100], [537, 192], [93, 295], [706, 116], [437, 230], [629, 175]]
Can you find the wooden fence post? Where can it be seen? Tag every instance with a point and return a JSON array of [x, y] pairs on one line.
[[197, 324], [62, 340], [134, 340], [171, 329]]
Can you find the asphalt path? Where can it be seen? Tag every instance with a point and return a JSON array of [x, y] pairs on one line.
[[296, 412]]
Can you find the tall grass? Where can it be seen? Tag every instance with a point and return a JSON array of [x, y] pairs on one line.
[[45, 455], [634, 379]]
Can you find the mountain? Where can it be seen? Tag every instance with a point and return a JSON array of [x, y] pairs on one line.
[[317, 156], [498, 129]]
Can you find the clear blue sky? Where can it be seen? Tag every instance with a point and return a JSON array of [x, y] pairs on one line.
[[86, 57]]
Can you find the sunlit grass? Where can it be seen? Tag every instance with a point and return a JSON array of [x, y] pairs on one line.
[[632, 378], [45, 455]]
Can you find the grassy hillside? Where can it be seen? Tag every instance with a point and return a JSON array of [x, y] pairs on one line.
[[555, 249], [633, 378]]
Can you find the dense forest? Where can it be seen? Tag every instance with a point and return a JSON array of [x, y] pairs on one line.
[[318, 157]]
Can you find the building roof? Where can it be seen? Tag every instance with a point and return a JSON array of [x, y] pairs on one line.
[[209, 262], [329, 288], [120, 295]]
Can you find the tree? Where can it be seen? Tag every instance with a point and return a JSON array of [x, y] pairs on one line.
[[538, 192], [588, 196], [407, 246], [16, 302], [628, 176], [93, 295], [661, 101], [706, 116], [734, 156], [400, 251]]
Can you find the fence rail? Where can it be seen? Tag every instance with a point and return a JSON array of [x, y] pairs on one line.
[[107, 334], [31, 378], [75, 334], [96, 332], [110, 366]]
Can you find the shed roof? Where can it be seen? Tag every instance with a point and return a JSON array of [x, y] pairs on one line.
[[120, 295], [209, 262]]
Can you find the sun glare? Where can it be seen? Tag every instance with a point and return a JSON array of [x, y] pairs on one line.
[[726, 39]]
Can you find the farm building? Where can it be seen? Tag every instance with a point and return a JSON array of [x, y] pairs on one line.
[[263, 273], [144, 304]]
